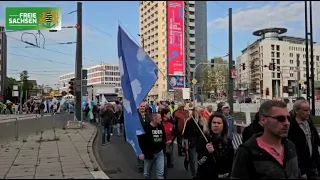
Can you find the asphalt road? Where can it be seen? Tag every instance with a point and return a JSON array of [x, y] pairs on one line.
[[29, 126], [119, 161]]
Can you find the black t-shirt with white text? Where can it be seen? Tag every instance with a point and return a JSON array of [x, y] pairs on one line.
[[153, 140]]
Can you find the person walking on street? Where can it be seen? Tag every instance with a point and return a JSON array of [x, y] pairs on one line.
[[107, 116], [254, 128], [153, 145], [268, 155], [215, 153], [230, 121], [208, 112], [145, 119], [192, 134], [180, 117], [170, 136], [304, 135]]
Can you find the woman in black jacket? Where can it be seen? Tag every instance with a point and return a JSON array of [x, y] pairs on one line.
[[254, 128], [215, 153]]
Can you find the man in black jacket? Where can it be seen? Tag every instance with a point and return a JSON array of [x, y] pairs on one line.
[[305, 137], [268, 155], [107, 116], [153, 144], [144, 119]]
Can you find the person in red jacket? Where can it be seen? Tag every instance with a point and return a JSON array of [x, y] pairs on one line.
[[208, 112], [170, 135]]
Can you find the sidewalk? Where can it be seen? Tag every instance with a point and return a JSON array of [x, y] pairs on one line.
[[63, 154]]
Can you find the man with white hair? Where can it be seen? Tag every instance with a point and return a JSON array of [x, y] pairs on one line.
[[304, 135]]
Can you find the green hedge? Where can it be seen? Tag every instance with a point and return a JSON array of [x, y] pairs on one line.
[[316, 120]]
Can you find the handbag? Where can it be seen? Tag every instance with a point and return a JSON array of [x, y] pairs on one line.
[[169, 148]]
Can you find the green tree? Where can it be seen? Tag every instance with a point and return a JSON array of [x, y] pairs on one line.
[[216, 77], [12, 81], [27, 85]]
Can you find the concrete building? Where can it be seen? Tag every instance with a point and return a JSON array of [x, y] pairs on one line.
[[3, 62], [286, 52], [154, 39], [99, 74]]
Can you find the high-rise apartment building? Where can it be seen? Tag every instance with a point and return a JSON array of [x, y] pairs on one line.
[[174, 32], [3, 62], [289, 56]]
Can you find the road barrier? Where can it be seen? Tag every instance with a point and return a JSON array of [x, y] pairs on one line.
[[37, 117]]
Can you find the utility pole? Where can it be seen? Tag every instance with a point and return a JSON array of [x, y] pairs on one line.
[[230, 89], [307, 49], [298, 75], [78, 69], [312, 62], [21, 91]]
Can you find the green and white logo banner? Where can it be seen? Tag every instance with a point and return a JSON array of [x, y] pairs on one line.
[[33, 18]]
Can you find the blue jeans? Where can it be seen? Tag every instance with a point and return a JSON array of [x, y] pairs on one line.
[[158, 161], [105, 131], [193, 160]]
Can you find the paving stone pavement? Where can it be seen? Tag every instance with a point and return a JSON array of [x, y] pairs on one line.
[[59, 154]]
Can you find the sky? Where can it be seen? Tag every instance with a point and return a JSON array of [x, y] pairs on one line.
[[101, 19]]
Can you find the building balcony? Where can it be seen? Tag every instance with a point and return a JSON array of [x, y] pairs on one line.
[[192, 32], [192, 39]]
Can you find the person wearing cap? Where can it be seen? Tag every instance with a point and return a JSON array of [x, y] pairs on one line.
[[226, 112]]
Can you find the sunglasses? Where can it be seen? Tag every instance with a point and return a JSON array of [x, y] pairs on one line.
[[279, 118]]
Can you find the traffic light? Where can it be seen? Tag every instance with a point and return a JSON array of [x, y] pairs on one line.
[[243, 66], [72, 86]]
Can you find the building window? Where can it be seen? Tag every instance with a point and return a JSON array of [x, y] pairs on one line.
[[291, 54], [278, 54], [317, 58], [291, 75], [278, 48], [272, 54], [291, 61], [272, 47], [278, 61]]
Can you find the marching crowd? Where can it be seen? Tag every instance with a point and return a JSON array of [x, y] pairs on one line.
[[277, 145]]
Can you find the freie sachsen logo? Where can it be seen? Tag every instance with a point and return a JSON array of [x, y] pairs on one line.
[[33, 18]]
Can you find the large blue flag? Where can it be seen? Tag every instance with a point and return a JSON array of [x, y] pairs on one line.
[[138, 74]]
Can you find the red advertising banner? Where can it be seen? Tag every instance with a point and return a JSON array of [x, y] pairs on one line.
[[176, 38]]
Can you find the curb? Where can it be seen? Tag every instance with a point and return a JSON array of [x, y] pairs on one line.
[[97, 172]]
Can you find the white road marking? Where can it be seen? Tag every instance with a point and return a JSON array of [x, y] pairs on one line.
[[99, 175]]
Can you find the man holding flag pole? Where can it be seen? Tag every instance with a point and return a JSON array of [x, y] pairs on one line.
[[138, 75]]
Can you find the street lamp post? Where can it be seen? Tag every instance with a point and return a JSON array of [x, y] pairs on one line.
[[194, 84]]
